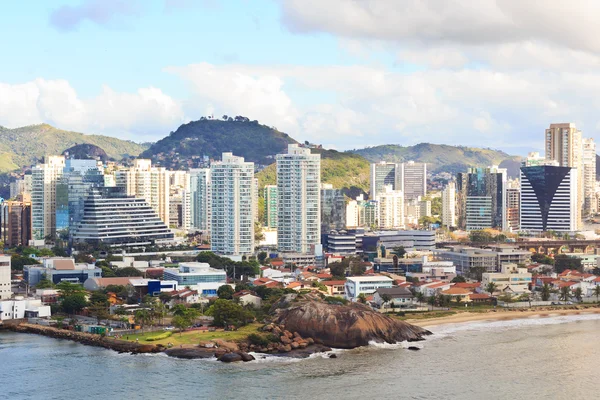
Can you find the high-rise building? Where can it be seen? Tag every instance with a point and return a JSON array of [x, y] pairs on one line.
[[180, 200], [564, 145], [548, 198], [383, 174], [391, 208], [590, 206], [112, 217], [412, 179], [270, 196], [44, 178], [5, 281], [16, 221], [352, 214], [481, 198], [20, 186], [449, 205], [200, 204], [232, 206], [513, 205], [333, 208], [144, 181], [298, 202]]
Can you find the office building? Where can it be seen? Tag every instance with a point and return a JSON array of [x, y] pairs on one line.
[[490, 259], [367, 285], [549, 199], [20, 187], [449, 205], [270, 197], [511, 279], [298, 200], [144, 181], [16, 222], [198, 276], [333, 208], [564, 144], [513, 207], [21, 308], [5, 279], [44, 178], [412, 179], [391, 208], [112, 217], [59, 269], [481, 194], [200, 202], [232, 206], [352, 214], [383, 174], [381, 243], [590, 206]]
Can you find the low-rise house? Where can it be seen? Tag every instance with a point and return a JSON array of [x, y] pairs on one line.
[[297, 286], [511, 278], [184, 296], [335, 288], [481, 298], [266, 282], [367, 285], [247, 297], [458, 294], [432, 288], [94, 284], [19, 308], [399, 298]]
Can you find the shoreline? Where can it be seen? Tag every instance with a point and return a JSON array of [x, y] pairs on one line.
[[502, 315]]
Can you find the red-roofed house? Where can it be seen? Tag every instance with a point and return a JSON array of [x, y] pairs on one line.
[[247, 297], [335, 288]]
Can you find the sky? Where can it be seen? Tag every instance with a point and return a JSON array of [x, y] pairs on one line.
[[342, 73]]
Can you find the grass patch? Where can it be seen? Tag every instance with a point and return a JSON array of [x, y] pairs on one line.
[[193, 337], [425, 315], [159, 337]]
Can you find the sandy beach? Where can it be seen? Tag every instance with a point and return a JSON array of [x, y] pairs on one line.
[[503, 315]]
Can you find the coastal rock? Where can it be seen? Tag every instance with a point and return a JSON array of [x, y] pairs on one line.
[[246, 357], [285, 340], [306, 352], [346, 327], [230, 357], [190, 353]]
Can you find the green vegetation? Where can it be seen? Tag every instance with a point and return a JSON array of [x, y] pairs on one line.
[[159, 337], [193, 337], [563, 262], [442, 158], [29, 144]]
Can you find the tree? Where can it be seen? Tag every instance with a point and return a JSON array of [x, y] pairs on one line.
[[399, 251], [458, 279], [74, 303], [546, 291], [337, 269], [386, 298], [542, 259], [66, 289], [100, 310], [262, 256], [44, 284], [128, 272], [362, 298], [225, 292], [99, 297], [525, 297], [565, 293], [596, 292], [357, 268], [17, 262], [420, 297], [476, 273], [164, 297], [142, 317], [491, 288], [226, 312], [563, 262], [181, 323], [578, 294], [431, 300]]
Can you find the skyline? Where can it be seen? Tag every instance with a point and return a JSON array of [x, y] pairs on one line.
[[374, 74]]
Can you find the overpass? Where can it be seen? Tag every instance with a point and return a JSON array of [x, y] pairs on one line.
[[559, 246]]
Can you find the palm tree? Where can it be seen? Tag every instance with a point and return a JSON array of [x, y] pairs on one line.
[[596, 292], [578, 293], [491, 288], [420, 297], [362, 298], [431, 300], [386, 299], [546, 291], [565, 293]]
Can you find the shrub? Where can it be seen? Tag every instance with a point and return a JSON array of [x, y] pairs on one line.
[[336, 300], [159, 337], [258, 340]]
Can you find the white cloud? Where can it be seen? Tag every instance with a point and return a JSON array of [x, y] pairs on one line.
[[147, 114]]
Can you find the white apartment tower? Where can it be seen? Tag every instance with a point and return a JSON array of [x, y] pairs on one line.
[[232, 202], [298, 200], [44, 179], [200, 193], [5, 281], [391, 208], [144, 181], [590, 206], [449, 205]]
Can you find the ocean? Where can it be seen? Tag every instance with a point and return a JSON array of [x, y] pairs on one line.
[[541, 358]]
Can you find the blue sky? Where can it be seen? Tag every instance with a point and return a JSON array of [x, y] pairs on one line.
[[344, 74]]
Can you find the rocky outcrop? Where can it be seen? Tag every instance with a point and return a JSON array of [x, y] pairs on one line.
[[345, 327]]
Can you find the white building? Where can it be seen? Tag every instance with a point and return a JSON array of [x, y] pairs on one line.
[[44, 178], [144, 181], [449, 205], [198, 276], [200, 193], [232, 206], [20, 308], [549, 199], [510, 279], [367, 285], [590, 206], [5, 281], [352, 214], [298, 200], [383, 174], [391, 208]]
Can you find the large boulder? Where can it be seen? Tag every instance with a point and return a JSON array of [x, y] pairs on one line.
[[231, 357], [345, 327]]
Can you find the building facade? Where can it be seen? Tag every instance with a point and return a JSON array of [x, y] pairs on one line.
[[383, 174], [198, 276], [44, 178], [590, 205], [232, 206], [481, 198], [200, 199], [16, 222], [5, 280], [449, 205], [298, 200], [391, 208], [412, 179], [333, 208], [270, 197]]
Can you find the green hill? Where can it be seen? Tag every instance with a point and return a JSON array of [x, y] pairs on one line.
[[27, 145], [442, 158], [210, 137]]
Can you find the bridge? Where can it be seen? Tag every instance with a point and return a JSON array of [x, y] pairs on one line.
[[560, 246]]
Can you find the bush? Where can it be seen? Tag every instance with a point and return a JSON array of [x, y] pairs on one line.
[[336, 300], [159, 337], [258, 340], [273, 338]]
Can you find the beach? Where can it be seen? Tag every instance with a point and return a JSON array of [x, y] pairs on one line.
[[504, 315]]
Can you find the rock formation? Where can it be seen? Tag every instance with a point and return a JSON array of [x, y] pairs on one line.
[[345, 326]]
